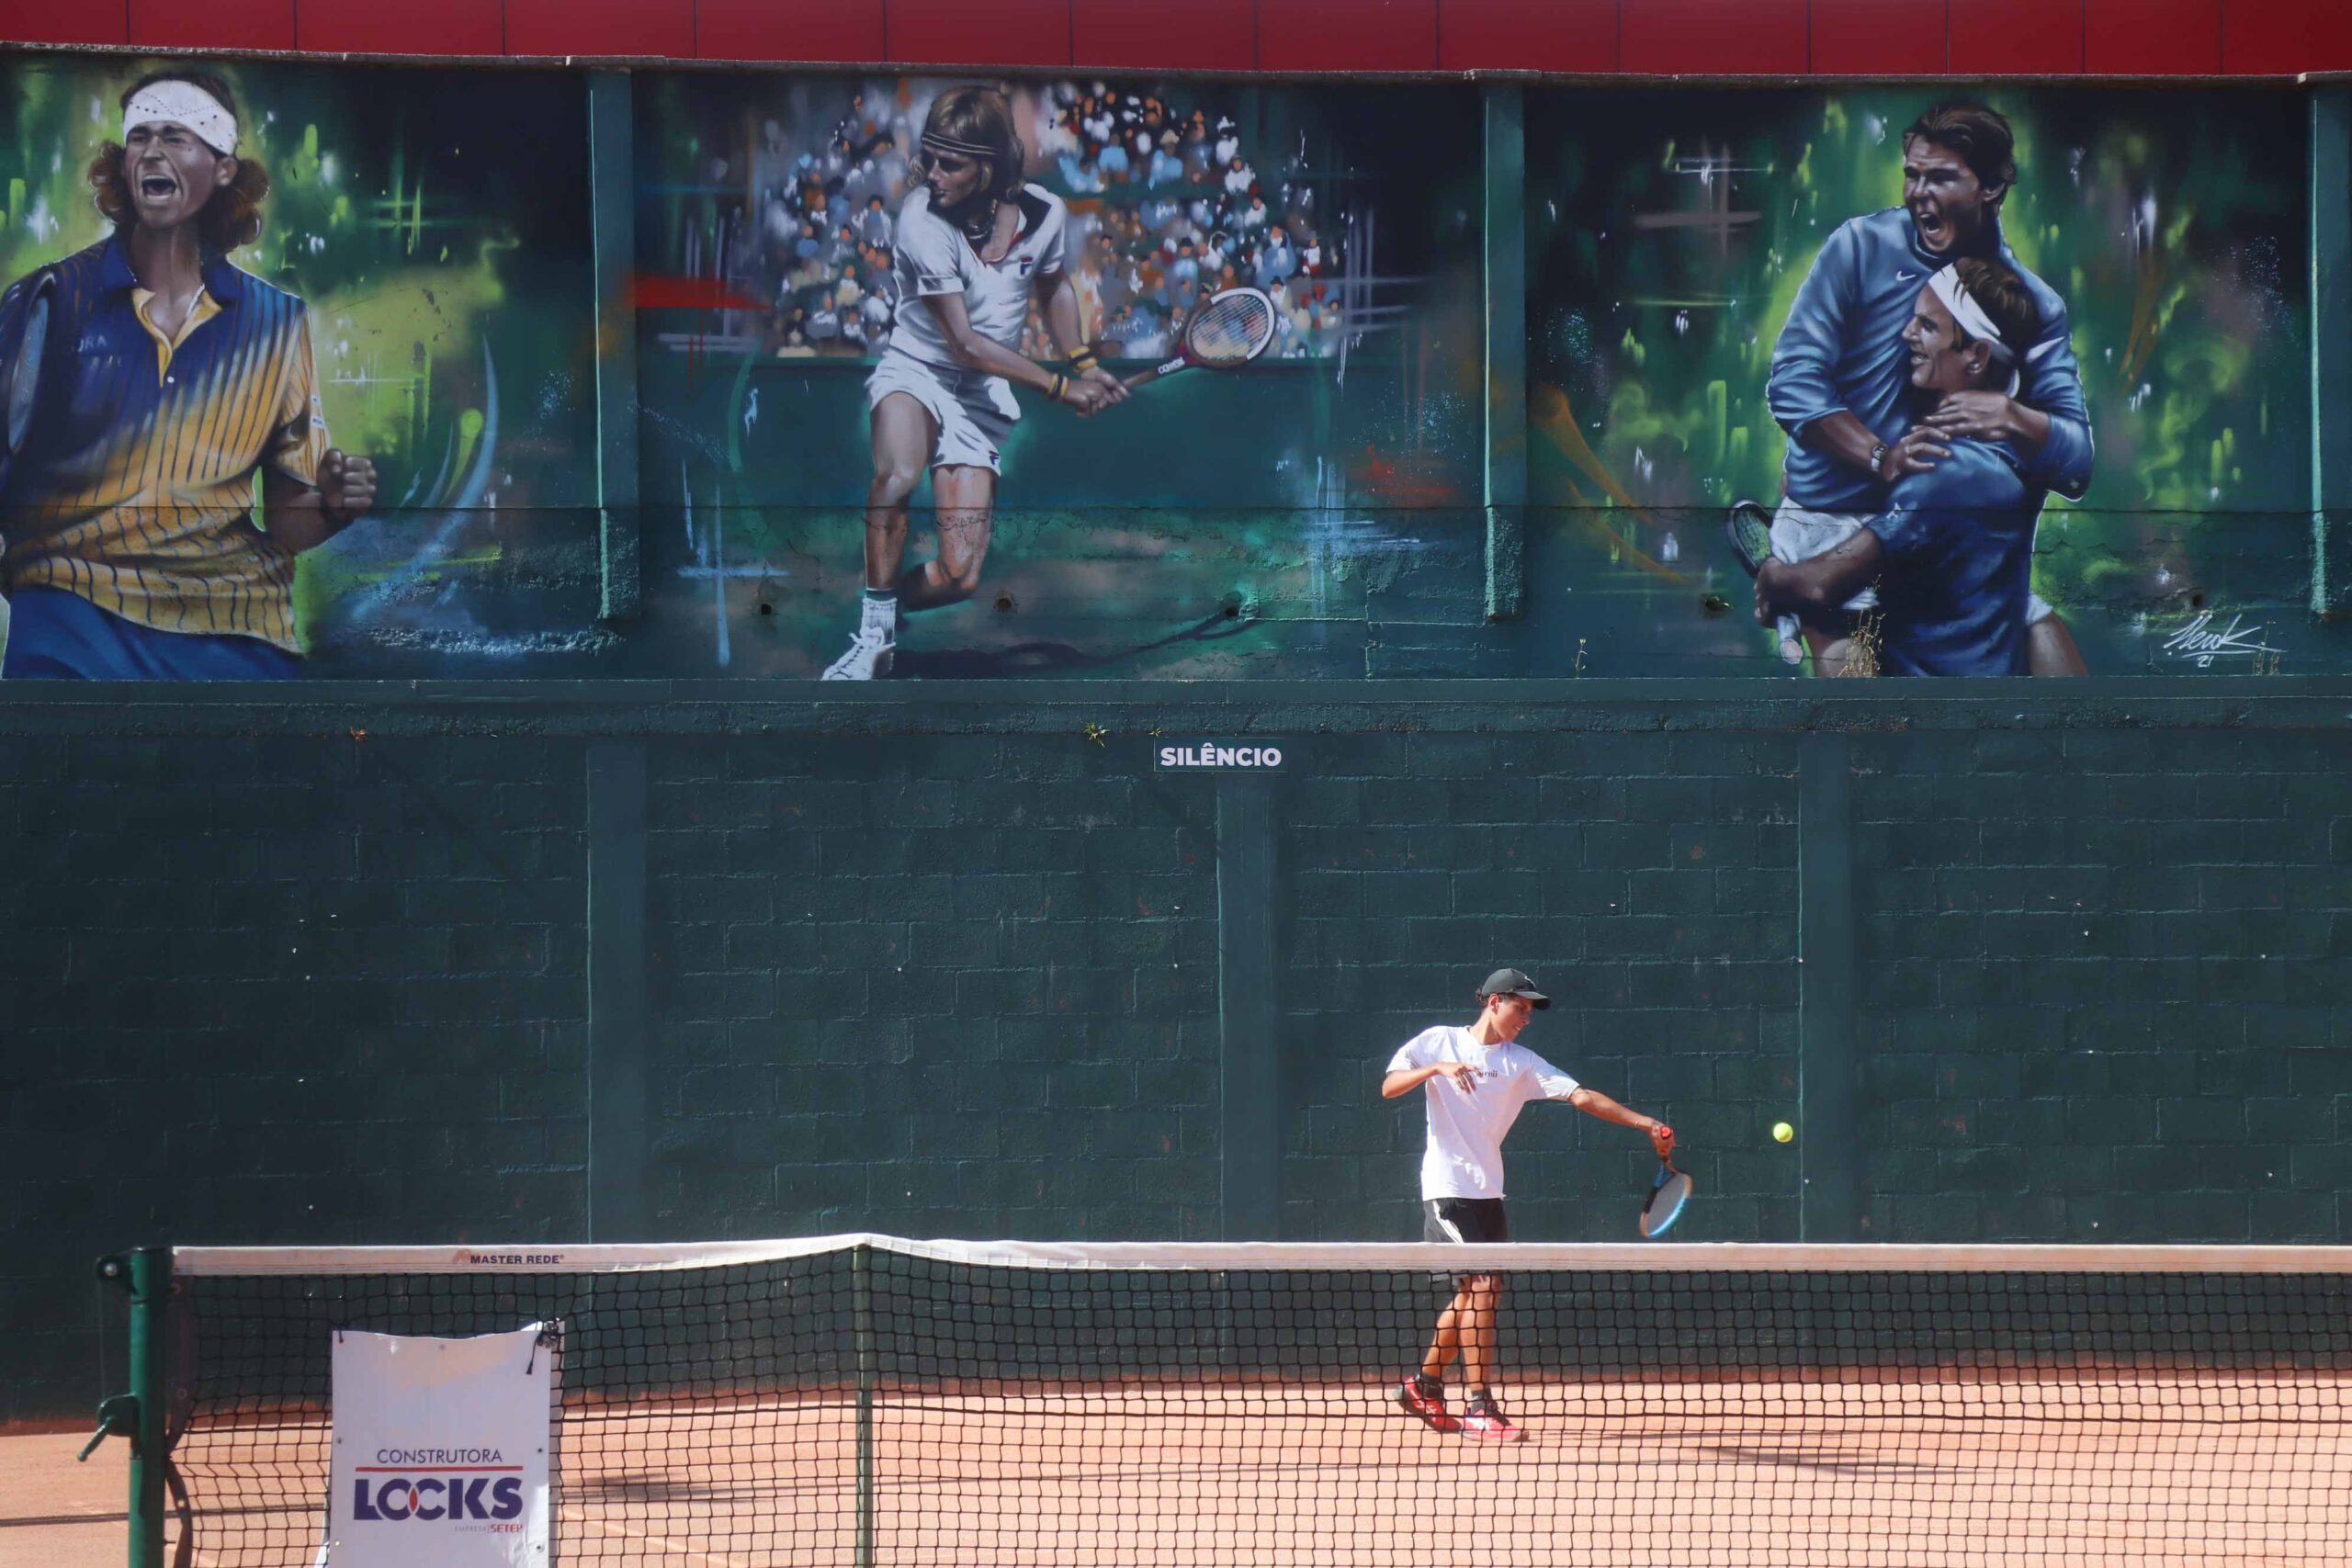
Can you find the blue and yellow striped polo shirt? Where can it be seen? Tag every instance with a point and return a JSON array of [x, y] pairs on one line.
[[136, 484]]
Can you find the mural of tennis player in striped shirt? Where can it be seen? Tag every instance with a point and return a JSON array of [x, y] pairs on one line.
[[154, 391]]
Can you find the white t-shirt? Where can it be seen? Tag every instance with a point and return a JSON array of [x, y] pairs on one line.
[[1465, 1149], [932, 256]]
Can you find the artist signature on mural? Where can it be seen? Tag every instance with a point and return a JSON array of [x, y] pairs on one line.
[[2198, 641]]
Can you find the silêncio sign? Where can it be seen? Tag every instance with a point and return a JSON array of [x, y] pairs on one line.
[[1217, 756]]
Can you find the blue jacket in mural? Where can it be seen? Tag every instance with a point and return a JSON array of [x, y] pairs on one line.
[[1958, 546], [1843, 348]]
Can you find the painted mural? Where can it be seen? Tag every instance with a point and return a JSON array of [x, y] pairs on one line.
[[886, 329], [296, 371], [937, 377], [2006, 383]]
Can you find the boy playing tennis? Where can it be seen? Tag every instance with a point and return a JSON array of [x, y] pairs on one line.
[[1476, 1078]]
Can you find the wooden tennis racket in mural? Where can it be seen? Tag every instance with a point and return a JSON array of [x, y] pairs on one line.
[[1231, 329]]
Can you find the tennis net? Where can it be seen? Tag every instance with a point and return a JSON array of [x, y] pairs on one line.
[[865, 1400]]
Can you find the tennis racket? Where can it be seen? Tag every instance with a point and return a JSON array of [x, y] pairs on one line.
[[1749, 527], [1230, 329], [1668, 1192], [20, 373]]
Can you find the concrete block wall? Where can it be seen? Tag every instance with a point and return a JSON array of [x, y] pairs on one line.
[[2104, 989], [304, 984], [933, 986], [344, 969], [1647, 880]]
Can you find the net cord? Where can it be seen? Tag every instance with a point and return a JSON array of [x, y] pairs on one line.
[[1866, 1257]]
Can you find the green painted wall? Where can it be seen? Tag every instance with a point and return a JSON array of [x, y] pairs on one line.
[[519, 958], [520, 962]]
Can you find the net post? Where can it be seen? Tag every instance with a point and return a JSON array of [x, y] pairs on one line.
[[860, 1272], [145, 1276]]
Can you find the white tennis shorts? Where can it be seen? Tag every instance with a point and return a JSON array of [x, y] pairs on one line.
[[1799, 534], [974, 410]]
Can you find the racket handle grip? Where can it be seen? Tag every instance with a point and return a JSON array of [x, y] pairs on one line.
[[1154, 373]]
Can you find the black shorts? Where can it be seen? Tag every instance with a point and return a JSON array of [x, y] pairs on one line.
[[1466, 1219], [1470, 1219]]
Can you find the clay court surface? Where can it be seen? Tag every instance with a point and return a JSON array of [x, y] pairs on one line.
[[2240, 1469], [57, 1514]]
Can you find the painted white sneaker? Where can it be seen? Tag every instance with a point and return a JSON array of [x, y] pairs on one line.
[[868, 658]]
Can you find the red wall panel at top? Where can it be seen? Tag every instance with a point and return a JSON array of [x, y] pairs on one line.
[[1879, 37], [1730, 38], [400, 26], [1347, 35], [762, 29], [1527, 34], [216, 24], [1166, 35], [1662, 36], [2016, 38], [2282, 37], [600, 27], [979, 32], [2152, 38], [49, 21]]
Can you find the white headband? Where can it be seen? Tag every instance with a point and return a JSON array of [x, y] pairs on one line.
[[1968, 313], [182, 103]]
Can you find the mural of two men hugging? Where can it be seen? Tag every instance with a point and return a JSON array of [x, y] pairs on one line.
[[1930, 390]]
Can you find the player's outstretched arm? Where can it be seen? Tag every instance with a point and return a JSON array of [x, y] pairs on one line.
[[1594, 1104], [982, 353], [1062, 320]]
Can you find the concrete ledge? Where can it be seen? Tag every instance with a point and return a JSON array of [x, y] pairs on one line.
[[1129, 710]]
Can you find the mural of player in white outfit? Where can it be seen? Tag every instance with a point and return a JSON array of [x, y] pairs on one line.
[[973, 246]]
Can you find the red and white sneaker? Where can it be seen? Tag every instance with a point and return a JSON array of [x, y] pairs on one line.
[[1425, 1397], [1487, 1423]]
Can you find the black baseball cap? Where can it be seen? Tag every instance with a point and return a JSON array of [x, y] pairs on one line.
[[1513, 983]]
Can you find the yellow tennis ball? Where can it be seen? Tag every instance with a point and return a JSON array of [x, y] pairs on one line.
[[1782, 1132]]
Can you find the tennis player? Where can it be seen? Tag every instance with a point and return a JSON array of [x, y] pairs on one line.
[[1476, 1079], [974, 245], [173, 386], [1839, 386], [1951, 555]]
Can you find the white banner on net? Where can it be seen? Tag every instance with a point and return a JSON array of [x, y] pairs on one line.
[[441, 1451]]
